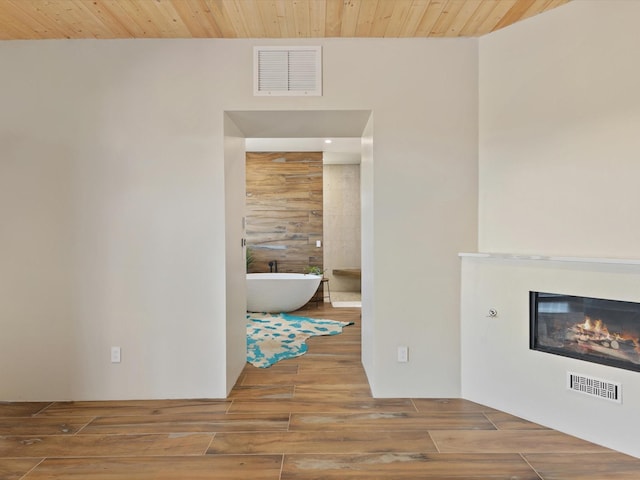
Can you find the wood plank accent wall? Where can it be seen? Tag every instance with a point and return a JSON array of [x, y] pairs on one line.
[[284, 210]]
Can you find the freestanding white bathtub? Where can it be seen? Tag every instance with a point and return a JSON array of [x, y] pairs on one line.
[[279, 292]]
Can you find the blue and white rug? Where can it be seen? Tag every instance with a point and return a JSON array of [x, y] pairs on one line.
[[272, 337]]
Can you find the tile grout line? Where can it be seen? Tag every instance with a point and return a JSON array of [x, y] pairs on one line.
[[530, 466], [281, 467], [43, 409], [85, 426], [433, 441], [484, 414], [213, 436], [23, 477]]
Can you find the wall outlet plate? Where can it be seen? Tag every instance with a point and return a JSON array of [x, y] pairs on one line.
[[403, 354], [115, 355]]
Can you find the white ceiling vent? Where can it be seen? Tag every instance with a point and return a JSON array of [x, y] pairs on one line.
[[282, 71]]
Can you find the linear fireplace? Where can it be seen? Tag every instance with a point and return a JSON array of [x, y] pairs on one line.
[[590, 329]]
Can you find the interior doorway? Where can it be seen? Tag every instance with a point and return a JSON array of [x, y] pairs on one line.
[[297, 127]]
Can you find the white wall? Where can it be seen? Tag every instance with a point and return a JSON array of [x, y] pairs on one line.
[[367, 251], [116, 206], [559, 142], [36, 210], [235, 260], [127, 137], [559, 116], [425, 189]]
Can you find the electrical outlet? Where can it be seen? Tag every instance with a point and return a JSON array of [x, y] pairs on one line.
[[115, 355], [403, 354]]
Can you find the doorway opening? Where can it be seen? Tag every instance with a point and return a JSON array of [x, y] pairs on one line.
[[298, 128]]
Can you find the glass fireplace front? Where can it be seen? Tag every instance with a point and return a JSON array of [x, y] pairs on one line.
[[590, 329]]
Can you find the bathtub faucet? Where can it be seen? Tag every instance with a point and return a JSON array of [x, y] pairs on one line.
[[273, 265]]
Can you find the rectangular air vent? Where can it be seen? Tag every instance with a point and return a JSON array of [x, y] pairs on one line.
[[594, 387], [285, 71]]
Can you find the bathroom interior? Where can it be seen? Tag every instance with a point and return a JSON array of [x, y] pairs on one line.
[[303, 212]]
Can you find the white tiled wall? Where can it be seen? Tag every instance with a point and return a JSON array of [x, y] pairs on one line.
[[341, 223]]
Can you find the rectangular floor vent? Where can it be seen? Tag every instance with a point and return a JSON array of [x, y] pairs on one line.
[[594, 387]]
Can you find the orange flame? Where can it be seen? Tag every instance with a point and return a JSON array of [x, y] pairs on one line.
[[598, 326]]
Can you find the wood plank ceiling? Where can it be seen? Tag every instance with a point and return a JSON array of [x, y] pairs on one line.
[[108, 19]]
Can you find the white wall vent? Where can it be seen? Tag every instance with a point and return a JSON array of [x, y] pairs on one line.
[[594, 387], [283, 71]]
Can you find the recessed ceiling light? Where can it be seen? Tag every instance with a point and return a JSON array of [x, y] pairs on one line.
[[328, 140]]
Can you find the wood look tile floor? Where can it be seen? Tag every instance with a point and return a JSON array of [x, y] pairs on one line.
[[307, 418]]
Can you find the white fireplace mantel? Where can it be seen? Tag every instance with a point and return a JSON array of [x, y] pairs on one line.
[[498, 369], [547, 258]]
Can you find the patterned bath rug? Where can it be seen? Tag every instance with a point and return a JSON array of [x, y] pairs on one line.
[[272, 337]]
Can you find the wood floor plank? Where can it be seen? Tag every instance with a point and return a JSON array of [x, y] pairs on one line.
[[136, 407], [342, 348], [16, 468], [283, 367], [399, 466], [178, 423], [450, 405], [316, 361], [322, 442], [337, 367], [207, 467], [258, 378], [334, 392], [322, 405], [21, 409], [505, 421], [262, 392], [511, 441], [346, 314], [104, 445], [42, 425], [582, 466], [350, 336], [390, 421]]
